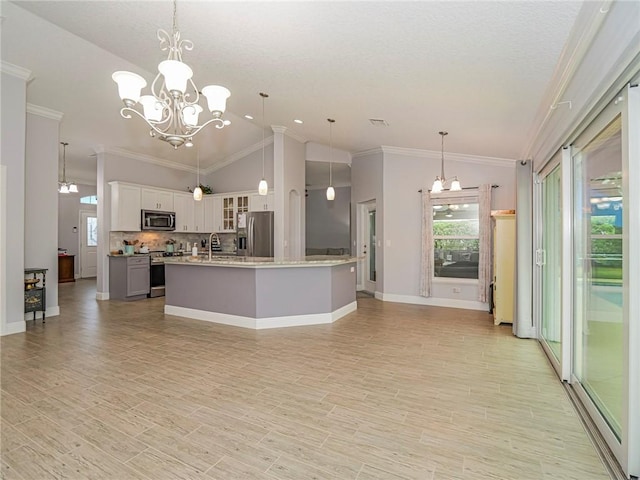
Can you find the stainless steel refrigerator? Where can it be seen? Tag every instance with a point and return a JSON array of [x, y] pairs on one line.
[[255, 234]]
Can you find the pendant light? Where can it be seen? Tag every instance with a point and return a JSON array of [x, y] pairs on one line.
[[63, 186], [197, 192], [441, 181], [331, 193], [263, 187]]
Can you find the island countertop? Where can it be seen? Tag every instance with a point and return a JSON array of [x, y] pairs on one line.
[[260, 262]]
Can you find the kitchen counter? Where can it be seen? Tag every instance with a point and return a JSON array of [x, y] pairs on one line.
[[260, 262], [260, 293]]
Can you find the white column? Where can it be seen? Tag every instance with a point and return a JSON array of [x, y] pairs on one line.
[[523, 324], [13, 104], [103, 211], [280, 195]]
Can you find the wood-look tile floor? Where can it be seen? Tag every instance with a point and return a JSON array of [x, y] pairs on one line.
[[115, 390]]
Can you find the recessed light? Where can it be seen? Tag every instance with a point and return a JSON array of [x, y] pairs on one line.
[[298, 121], [248, 117]]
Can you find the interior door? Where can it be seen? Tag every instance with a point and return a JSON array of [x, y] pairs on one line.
[[88, 244], [369, 250]]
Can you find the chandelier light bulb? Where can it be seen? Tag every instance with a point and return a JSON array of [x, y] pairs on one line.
[[73, 188], [64, 188], [197, 193], [129, 86], [455, 185], [437, 186]]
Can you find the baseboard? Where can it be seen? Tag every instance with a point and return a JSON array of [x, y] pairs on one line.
[[77, 276], [261, 323], [433, 301], [51, 312], [102, 295], [380, 296], [13, 327]]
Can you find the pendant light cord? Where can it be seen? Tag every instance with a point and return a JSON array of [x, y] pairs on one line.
[[442, 135], [331, 122], [64, 161], [263, 95], [198, 162]]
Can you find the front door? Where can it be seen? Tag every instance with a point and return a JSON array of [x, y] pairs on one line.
[[88, 244]]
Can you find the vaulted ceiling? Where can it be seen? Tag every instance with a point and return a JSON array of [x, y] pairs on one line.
[[477, 69]]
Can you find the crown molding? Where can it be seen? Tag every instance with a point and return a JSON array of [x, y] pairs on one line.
[[435, 155], [295, 136], [44, 112], [237, 156], [15, 71], [147, 159]]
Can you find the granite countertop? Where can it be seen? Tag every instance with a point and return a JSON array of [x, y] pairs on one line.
[[260, 262]]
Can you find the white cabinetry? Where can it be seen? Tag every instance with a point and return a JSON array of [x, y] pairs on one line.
[[504, 267], [198, 216], [125, 207], [259, 203], [185, 215], [231, 206], [212, 213], [154, 199]]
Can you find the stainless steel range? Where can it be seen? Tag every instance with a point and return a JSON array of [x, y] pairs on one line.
[[157, 273]]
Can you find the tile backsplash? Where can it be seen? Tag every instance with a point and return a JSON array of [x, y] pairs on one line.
[[158, 240]]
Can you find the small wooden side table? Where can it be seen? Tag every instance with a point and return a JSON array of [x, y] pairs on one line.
[[66, 268], [35, 297]]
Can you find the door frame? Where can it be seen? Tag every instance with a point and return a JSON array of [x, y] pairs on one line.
[[362, 240]]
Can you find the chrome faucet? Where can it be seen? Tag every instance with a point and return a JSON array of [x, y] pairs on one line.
[[211, 244]]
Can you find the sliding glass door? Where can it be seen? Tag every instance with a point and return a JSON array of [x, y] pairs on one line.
[[550, 261], [598, 274]]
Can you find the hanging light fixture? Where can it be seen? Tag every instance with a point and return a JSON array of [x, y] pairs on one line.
[[171, 111], [197, 192], [263, 187], [63, 186], [331, 193], [441, 181]]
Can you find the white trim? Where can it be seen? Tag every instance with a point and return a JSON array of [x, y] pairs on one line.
[[145, 158], [44, 112], [51, 312], [434, 301], [435, 155], [567, 267], [261, 323], [13, 327], [237, 156], [457, 281], [15, 71], [279, 129], [295, 136], [102, 295]]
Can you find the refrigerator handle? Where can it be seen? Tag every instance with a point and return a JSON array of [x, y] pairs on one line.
[[250, 237]]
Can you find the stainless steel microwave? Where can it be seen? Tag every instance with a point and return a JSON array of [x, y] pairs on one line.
[[155, 220]]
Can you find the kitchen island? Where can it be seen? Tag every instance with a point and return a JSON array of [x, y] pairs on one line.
[[260, 293]]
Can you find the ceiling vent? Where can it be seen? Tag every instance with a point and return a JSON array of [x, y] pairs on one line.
[[379, 122]]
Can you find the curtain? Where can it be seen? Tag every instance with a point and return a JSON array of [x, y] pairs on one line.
[[426, 258], [484, 261]]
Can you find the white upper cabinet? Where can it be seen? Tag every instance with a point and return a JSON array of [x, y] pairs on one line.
[[125, 207], [155, 199], [183, 205], [212, 213], [259, 203], [198, 216]]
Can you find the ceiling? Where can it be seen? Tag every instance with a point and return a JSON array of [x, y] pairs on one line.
[[477, 69]]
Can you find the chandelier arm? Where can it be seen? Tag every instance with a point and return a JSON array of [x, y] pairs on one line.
[[127, 111], [197, 95]]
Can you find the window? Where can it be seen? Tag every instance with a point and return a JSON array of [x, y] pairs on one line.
[[92, 232], [90, 200], [456, 240]]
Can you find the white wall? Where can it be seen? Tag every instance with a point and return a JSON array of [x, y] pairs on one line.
[[12, 157], [41, 199], [69, 207], [317, 152], [406, 172], [243, 174], [328, 222]]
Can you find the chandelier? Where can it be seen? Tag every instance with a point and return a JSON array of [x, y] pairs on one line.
[[172, 109], [63, 186], [441, 181]]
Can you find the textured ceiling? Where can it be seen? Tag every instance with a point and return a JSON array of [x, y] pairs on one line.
[[477, 69]]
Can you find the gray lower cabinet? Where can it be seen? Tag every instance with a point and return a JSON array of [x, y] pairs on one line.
[[129, 277]]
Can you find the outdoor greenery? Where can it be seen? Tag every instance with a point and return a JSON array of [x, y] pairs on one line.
[[468, 228], [606, 253]]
